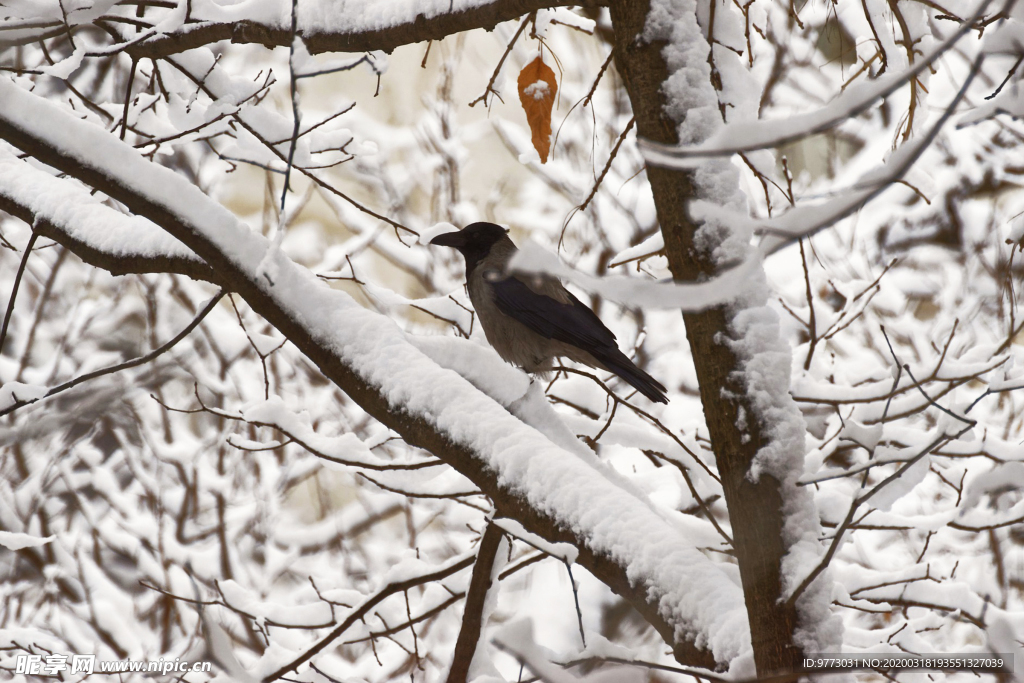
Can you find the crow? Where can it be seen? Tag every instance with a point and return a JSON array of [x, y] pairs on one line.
[[532, 319]]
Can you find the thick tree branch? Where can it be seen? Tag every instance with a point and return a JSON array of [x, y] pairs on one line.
[[420, 29], [116, 263]]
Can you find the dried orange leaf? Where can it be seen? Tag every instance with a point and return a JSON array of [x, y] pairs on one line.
[[537, 90]]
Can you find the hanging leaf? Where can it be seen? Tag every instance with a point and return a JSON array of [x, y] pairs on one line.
[[537, 90]]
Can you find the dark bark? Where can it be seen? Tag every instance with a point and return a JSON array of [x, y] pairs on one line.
[[755, 509], [476, 599]]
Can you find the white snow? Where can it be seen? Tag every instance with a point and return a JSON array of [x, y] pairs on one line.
[[15, 541], [633, 291], [84, 217], [15, 392], [562, 551], [693, 594], [651, 245]]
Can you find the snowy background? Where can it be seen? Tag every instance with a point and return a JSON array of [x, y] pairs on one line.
[[225, 501]]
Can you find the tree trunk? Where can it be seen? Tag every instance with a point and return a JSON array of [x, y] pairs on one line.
[[755, 509]]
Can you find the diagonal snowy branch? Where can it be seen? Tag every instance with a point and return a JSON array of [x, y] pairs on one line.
[[748, 136], [806, 220], [99, 235], [688, 297], [624, 540]]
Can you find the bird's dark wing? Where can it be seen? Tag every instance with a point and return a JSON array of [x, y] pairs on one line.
[[571, 322]]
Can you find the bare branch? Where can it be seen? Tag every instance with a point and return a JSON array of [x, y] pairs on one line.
[[476, 597], [135, 362], [355, 39], [363, 609]]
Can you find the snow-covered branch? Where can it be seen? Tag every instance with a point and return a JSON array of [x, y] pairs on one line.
[[99, 235], [382, 27], [748, 136], [370, 359]]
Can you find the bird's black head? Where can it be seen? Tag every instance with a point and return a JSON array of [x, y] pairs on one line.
[[474, 241]]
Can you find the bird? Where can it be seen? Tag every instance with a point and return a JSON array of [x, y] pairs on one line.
[[532, 319]]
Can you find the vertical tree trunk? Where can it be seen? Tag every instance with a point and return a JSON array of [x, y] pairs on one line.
[[755, 509]]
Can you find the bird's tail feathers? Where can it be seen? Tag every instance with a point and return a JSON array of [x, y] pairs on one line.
[[622, 366]]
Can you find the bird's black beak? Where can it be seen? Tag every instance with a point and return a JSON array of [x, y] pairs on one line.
[[455, 240]]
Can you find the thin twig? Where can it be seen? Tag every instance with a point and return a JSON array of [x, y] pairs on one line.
[[497, 70], [128, 98], [593, 191], [358, 613], [14, 289], [576, 601], [296, 119], [135, 362]]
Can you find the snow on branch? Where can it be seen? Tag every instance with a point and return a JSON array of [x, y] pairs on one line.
[[631, 291], [347, 450], [11, 401], [805, 220], [686, 595], [747, 136], [67, 213], [375, 25]]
